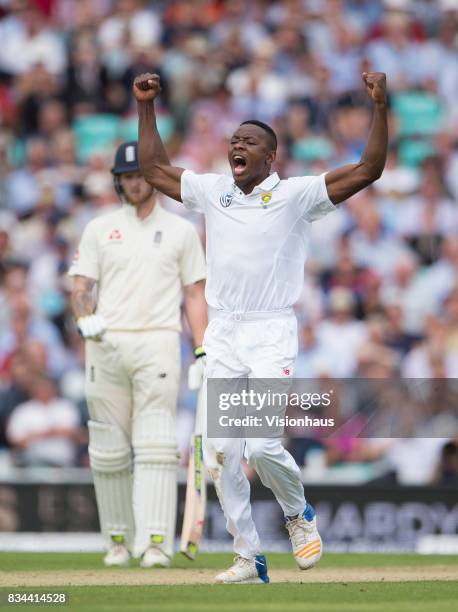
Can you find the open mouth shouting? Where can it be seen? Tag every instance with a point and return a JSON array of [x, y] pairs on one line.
[[238, 164]]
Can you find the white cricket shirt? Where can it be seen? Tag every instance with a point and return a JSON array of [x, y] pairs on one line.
[[140, 266], [256, 243], [33, 417]]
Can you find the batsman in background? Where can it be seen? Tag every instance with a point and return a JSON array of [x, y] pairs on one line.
[[256, 226], [144, 262]]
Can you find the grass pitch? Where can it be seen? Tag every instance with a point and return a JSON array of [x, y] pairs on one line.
[[340, 583]]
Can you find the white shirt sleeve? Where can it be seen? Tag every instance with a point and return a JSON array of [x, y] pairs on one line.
[[86, 259], [192, 261], [310, 196], [196, 189]]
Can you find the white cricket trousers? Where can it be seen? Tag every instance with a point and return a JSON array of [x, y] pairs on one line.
[[132, 381], [129, 374], [266, 347]]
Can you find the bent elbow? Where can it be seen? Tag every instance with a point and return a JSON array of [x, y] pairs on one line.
[[372, 174]]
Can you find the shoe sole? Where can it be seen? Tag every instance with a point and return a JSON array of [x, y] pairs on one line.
[[247, 581]]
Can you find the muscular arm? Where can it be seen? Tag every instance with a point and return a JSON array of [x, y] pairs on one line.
[[152, 156], [344, 182], [195, 309], [82, 296]]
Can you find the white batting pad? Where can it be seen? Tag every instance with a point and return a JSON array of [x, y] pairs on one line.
[[155, 481], [110, 459]]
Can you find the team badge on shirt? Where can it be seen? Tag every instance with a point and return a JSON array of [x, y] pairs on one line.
[[115, 235], [225, 199], [265, 199]]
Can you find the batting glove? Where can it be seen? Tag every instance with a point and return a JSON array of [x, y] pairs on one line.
[[92, 327], [196, 370]]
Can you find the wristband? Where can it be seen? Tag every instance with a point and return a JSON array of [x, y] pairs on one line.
[[199, 352]]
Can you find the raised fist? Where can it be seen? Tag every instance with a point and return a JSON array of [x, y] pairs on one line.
[[146, 87], [375, 83]]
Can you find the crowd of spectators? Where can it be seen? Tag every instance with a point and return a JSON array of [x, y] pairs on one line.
[[381, 283]]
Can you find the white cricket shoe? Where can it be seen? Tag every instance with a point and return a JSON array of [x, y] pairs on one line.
[[305, 539], [154, 557], [117, 556], [245, 571]]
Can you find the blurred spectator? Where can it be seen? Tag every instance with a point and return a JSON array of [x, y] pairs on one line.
[[130, 23], [343, 59], [45, 429], [413, 460], [432, 358], [451, 321], [396, 182], [408, 290], [313, 360], [16, 390], [341, 335], [244, 20], [427, 218], [24, 325], [257, 89], [7, 223], [23, 190], [34, 88], [83, 90], [396, 50], [371, 243], [447, 467], [28, 40], [443, 275]]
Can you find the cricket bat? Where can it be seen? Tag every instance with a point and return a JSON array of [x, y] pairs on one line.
[[196, 488]]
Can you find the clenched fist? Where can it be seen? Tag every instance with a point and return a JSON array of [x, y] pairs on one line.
[[376, 86], [146, 87]]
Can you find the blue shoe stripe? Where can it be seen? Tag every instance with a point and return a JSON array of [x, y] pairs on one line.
[[261, 566], [309, 512]]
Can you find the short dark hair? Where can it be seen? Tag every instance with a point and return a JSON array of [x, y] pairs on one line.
[[266, 128]]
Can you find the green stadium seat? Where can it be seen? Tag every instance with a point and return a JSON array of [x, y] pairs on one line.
[[95, 133], [129, 128], [412, 152], [310, 149], [417, 113]]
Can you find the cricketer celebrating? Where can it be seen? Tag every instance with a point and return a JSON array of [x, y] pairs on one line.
[[256, 227], [144, 262]]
